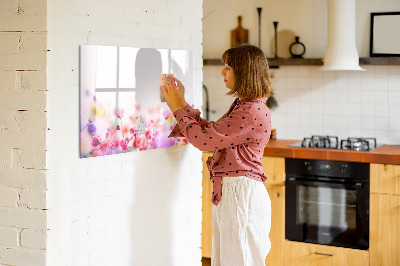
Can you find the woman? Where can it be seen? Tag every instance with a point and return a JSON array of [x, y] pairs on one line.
[[242, 211]]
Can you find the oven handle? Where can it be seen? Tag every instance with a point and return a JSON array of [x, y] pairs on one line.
[[324, 254], [357, 185]]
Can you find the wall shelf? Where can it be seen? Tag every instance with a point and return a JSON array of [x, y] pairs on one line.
[[380, 61], [274, 63]]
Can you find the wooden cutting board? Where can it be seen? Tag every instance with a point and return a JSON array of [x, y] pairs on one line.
[[239, 35]]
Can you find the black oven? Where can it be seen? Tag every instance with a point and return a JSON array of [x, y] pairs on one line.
[[327, 202]]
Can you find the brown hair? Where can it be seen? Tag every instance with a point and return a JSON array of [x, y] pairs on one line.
[[250, 66]]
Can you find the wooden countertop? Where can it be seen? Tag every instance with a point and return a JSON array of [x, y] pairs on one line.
[[389, 154]]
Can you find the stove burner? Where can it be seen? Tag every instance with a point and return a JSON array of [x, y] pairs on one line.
[[328, 142], [358, 144], [332, 142]]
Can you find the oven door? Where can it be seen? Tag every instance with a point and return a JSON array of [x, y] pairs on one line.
[[327, 213]]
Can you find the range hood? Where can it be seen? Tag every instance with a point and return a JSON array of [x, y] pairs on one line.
[[341, 51]]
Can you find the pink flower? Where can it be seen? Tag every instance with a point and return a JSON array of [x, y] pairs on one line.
[[118, 127], [124, 144], [134, 143], [152, 144], [96, 141], [133, 132], [167, 114], [119, 112], [142, 145], [115, 143], [148, 134], [155, 134], [104, 145]]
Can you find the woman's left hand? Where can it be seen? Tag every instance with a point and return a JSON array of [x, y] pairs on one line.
[[171, 95]]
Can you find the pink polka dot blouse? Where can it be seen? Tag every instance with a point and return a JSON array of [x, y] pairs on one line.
[[238, 139]]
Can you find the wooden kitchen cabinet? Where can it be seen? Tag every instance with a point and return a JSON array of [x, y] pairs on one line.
[[277, 233], [274, 168], [206, 226], [384, 236], [305, 254], [385, 178], [385, 215]]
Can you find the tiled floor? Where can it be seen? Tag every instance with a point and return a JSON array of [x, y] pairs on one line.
[[206, 261]]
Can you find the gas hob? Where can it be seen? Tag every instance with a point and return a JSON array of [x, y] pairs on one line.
[[332, 142]]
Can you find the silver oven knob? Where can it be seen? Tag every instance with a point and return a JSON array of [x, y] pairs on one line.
[[343, 168]]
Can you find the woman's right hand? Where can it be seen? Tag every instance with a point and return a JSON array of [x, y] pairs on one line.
[[181, 92]]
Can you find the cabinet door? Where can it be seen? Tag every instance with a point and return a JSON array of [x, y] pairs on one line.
[[277, 233], [385, 178], [304, 254], [384, 230], [206, 232], [274, 168]]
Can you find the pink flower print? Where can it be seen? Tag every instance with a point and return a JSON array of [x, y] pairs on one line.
[[148, 134], [133, 132], [135, 143], [124, 144], [171, 128], [119, 112], [125, 130], [150, 142], [167, 114], [141, 144], [118, 127], [96, 141], [104, 145], [115, 143]]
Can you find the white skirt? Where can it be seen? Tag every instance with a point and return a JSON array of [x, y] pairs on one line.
[[241, 223]]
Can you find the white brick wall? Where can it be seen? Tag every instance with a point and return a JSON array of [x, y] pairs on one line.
[[33, 239], [140, 208], [23, 128], [9, 237], [101, 209]]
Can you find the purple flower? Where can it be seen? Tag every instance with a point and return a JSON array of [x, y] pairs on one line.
[[91, 128]]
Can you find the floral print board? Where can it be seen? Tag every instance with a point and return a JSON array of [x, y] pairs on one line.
[[121, 108]]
